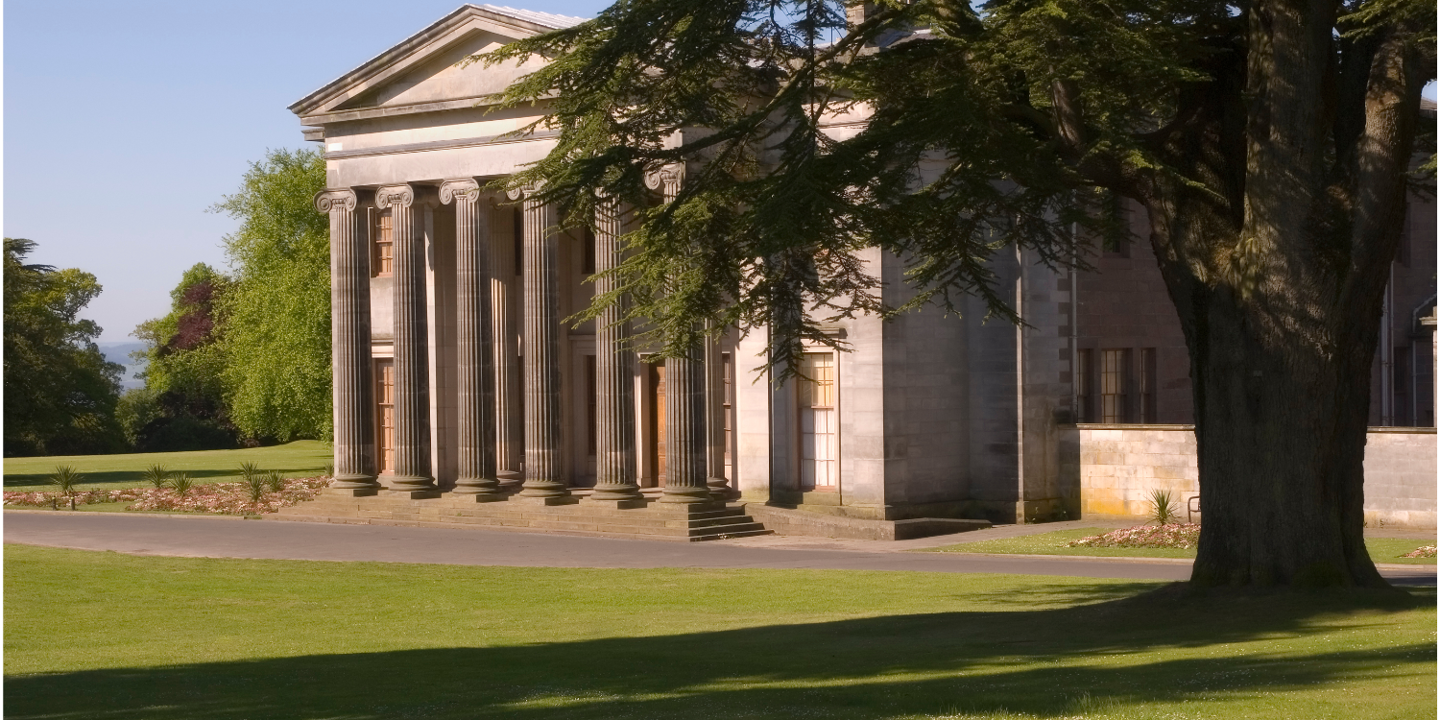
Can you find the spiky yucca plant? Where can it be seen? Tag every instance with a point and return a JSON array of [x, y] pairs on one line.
[[181, 484], [1163, 507], [156, 475]]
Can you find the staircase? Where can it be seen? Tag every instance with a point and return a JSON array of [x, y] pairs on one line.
[[655, 521]]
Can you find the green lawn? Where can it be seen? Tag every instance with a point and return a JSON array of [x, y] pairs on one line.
[[302, 458], [118, 636], [1382, 550]]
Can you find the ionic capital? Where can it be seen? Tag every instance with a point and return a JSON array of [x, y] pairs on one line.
[[666, 179], [341, 199], [524, 191], [405, 195], [464, 190]]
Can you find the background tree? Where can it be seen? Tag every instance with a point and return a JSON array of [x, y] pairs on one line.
[[277, 339], [1268, 140], [60, 392], [182, 406]]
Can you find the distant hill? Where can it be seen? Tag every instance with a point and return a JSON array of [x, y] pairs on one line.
[[120, 353]]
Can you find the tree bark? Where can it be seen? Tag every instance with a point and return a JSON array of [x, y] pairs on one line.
[[1277, 269]]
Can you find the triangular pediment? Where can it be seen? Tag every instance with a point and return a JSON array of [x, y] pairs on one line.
[[423, 72]]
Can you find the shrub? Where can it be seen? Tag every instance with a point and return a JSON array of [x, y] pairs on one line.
[[65, 478], [254, 485], [157, 476], [274, 481], [181, 484], [1164, 509]]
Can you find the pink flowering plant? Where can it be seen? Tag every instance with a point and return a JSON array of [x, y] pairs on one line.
[[219, 498], [1183, 536], [1427, 551]]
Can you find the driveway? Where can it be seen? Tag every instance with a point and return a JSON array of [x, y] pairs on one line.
[[222, 537]]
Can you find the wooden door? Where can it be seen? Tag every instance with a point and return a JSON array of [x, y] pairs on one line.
[[385, 414], [655, 424]]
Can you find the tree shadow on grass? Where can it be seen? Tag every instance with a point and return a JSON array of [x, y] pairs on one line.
[[1115, 653]]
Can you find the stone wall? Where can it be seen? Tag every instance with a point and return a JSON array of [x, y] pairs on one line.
[[1121, 464]]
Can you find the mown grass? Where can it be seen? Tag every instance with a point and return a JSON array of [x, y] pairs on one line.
[[117, 636], [1382, 550], [302, 458]]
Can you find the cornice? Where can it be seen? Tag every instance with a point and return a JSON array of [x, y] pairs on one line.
[[439, 145]]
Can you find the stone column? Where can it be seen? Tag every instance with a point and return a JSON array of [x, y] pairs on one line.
[[413, 475], [352, 368], [614, 373], [508, 425], [715, 421], [542, 357], [474, 354], [685, 437]]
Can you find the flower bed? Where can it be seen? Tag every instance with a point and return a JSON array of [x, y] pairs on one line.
[[1182, 536], [1421, 552], [218, 498]]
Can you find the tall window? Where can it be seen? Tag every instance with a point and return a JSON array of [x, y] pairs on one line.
[[591, 411], [819, 423], [382, 255], [1085, 386], [1147, 385], [1114, 386], [517, 225], [587, 252], [385, 418], [728, 399]]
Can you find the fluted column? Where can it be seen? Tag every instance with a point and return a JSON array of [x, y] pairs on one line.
[[715, 421], [351, 365], [509, 423], [542, 355], [614, 372], [413, 474], [685, 439], [475, 379]]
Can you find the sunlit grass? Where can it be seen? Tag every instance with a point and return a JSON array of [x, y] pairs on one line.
[[1382, 550], [103, 634], [297, 459]]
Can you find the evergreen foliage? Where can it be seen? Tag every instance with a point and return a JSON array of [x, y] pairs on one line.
[[1270, 144], [60, 392], [277, 337]]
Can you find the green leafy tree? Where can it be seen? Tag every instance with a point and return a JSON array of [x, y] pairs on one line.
[[182, 406], [1268, 140], [60, 392], [277, 339]]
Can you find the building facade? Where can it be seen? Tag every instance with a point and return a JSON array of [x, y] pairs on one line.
[[456, 370]]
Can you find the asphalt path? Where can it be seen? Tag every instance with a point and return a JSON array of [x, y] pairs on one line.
[[219, 537]]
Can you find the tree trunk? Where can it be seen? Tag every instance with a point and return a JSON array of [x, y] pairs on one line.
[[1280, 428]]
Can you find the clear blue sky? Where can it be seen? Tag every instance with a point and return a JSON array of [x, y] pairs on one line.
[[125, 121]]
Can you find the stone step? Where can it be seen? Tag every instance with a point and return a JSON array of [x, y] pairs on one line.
[[655, 522], [714, 532]]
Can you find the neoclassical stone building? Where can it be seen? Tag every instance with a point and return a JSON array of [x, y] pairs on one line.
[[456, 372]]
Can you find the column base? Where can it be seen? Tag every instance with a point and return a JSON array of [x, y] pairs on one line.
[[685, 509], [718, 487], [414, 494], [353, 491], [685, 496], [623, 504], [510, 478], [481, 497], [476, 486], [544, 488], [544, 501]]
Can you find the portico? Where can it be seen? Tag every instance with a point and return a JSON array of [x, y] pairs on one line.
[[460, 386]]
